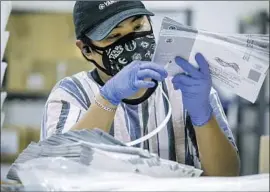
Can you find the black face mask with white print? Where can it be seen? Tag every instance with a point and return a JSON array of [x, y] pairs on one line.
[[134, 46]]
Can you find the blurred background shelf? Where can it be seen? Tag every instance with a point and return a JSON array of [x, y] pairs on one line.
[[5, 12], [248, 140], [26, 96]]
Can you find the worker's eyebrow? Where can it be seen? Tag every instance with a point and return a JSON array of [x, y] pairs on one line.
[[133, 20]]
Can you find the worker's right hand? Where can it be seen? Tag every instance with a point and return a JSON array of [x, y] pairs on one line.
[[131, 79]]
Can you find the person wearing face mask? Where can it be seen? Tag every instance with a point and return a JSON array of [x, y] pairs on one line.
[[121, 96]]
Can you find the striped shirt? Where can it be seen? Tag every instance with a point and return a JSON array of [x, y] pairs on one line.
[[71, 97]]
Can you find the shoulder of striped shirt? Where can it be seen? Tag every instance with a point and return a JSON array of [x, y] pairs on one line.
[[81, 76]]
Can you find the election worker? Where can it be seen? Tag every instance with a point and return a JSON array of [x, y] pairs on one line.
[[122, 95]]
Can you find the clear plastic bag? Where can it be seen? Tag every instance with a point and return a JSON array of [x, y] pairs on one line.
[[71, 164], [100, 156], [60, 174]]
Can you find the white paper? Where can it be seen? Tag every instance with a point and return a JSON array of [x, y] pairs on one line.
[[2, 120], [231, 71], [4, 40], [3, 97], [5, 12], [238, 66], [3, 70]]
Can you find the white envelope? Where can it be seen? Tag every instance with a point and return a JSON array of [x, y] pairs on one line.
[[239, 66], [4, 40], [3, 70], [3, 97], [2, 119], [6, 7]]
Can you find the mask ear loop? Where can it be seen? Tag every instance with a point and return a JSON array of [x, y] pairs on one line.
[[107, 70], [159, 128], [87, 49]]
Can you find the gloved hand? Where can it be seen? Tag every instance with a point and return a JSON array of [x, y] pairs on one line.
[[130, 80], [195, 88]]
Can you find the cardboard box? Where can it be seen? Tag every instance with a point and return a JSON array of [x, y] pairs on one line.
[[38, 43], [264, 155], [14, 140]]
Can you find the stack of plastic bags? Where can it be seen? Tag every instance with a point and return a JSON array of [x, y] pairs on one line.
[[100, 151], [92, 160], [5, 12]]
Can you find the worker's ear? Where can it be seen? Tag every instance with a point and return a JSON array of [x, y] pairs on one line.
[[80, 44], [86, 50]]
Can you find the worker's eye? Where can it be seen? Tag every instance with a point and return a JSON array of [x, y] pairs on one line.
[[113, 37], [138, 27]]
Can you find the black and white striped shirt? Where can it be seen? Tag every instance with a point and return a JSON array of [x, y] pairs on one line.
[[72, 96]]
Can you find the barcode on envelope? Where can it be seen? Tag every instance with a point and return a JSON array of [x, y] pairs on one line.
[[254, 75]]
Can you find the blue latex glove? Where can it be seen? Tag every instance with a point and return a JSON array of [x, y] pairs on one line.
[[130, 80], [195, 88]]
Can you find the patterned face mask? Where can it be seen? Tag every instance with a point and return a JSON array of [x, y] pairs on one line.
[[134, 46]]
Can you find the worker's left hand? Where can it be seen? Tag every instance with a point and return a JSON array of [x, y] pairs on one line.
[[195, 88]]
